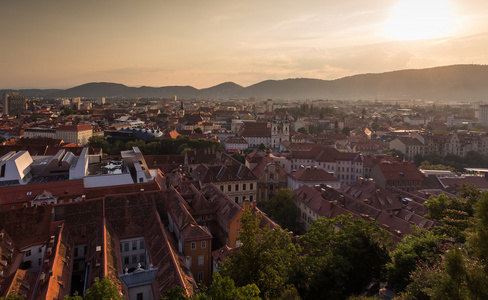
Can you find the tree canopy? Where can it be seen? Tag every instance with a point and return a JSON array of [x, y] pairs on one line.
[[265, 257], [283, 210]]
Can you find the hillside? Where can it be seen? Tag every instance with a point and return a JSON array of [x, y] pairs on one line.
[[448, 83]]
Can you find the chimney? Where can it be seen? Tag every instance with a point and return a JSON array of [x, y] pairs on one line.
[[180, 222]]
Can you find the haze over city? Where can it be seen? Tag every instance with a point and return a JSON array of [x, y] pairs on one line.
[[59, 44]]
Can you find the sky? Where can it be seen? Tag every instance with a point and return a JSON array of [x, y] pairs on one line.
[[65, 43]]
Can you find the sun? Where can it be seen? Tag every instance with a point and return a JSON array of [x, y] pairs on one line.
[[420, 19]]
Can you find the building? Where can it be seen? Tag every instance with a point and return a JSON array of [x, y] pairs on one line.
[[237, 181], [271, 175], [483, 114], [37, 132], [78, 134], [13, 104], [402, 175], [408, 146], [311, 177]]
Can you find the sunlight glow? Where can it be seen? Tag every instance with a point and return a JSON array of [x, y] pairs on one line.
[[420, 19]]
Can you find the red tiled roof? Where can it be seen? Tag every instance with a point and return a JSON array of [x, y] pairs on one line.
[[400, 171], [309, 174], [74, 127]]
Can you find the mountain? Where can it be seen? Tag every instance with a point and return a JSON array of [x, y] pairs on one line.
[[448, 83]]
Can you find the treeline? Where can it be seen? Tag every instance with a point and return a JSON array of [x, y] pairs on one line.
[[473, 159], [163, 147], [306, 110]]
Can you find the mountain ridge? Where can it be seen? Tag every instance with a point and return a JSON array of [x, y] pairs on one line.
[[450, 83]]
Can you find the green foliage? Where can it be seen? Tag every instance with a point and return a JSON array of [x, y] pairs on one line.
[[265, 257], [2, 139], [425, 165], [239, 157], [198, 130], [103, 289], [98, 142], [340, 263], [13, 296], [420, 245], [315, 129], [282, 209], [176, 293], [163, 147], [472, 159], [393, 152], [303, 130], [223, 288], [478, 236], [261, 147], [454, 215], [346, 130]]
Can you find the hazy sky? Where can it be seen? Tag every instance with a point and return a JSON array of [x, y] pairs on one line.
[[63, 43]]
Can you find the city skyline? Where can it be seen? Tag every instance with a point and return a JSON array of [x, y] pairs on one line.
[[53, 44]]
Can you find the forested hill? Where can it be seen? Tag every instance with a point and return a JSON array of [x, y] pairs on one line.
[[451, 83]]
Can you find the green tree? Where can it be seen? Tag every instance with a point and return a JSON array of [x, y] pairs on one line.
[[283, 210], [223, 288], [303, 130], [478, 237], [13, 296], [176, 293], [103, 289], [198, 130], [342, 256], [98, 142], [261, 147], [265, 257], [420, 245], [453, 214], [346, 130]]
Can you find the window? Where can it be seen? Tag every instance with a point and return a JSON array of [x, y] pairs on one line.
[[142, 258], [28, 253], [244, 187], [200, 260], [76, 251], [126, 247], [142, 244], [204, 244], [238, 231], [193, 245], [134, 245], [200, 276], [229, 188], [251, 198], [251, 186], [40, 260], [237, 187], [140, 296], [126, 260], [237, 199], [134, 259]]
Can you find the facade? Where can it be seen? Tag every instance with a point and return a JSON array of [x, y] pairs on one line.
[[237, 181], [13, 104], [483, 114], [78, 134], [271, 176], [37, 132], [408, 146]]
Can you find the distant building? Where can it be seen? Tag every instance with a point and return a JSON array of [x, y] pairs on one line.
[[78, 134], [483, 114], [13, 104]]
